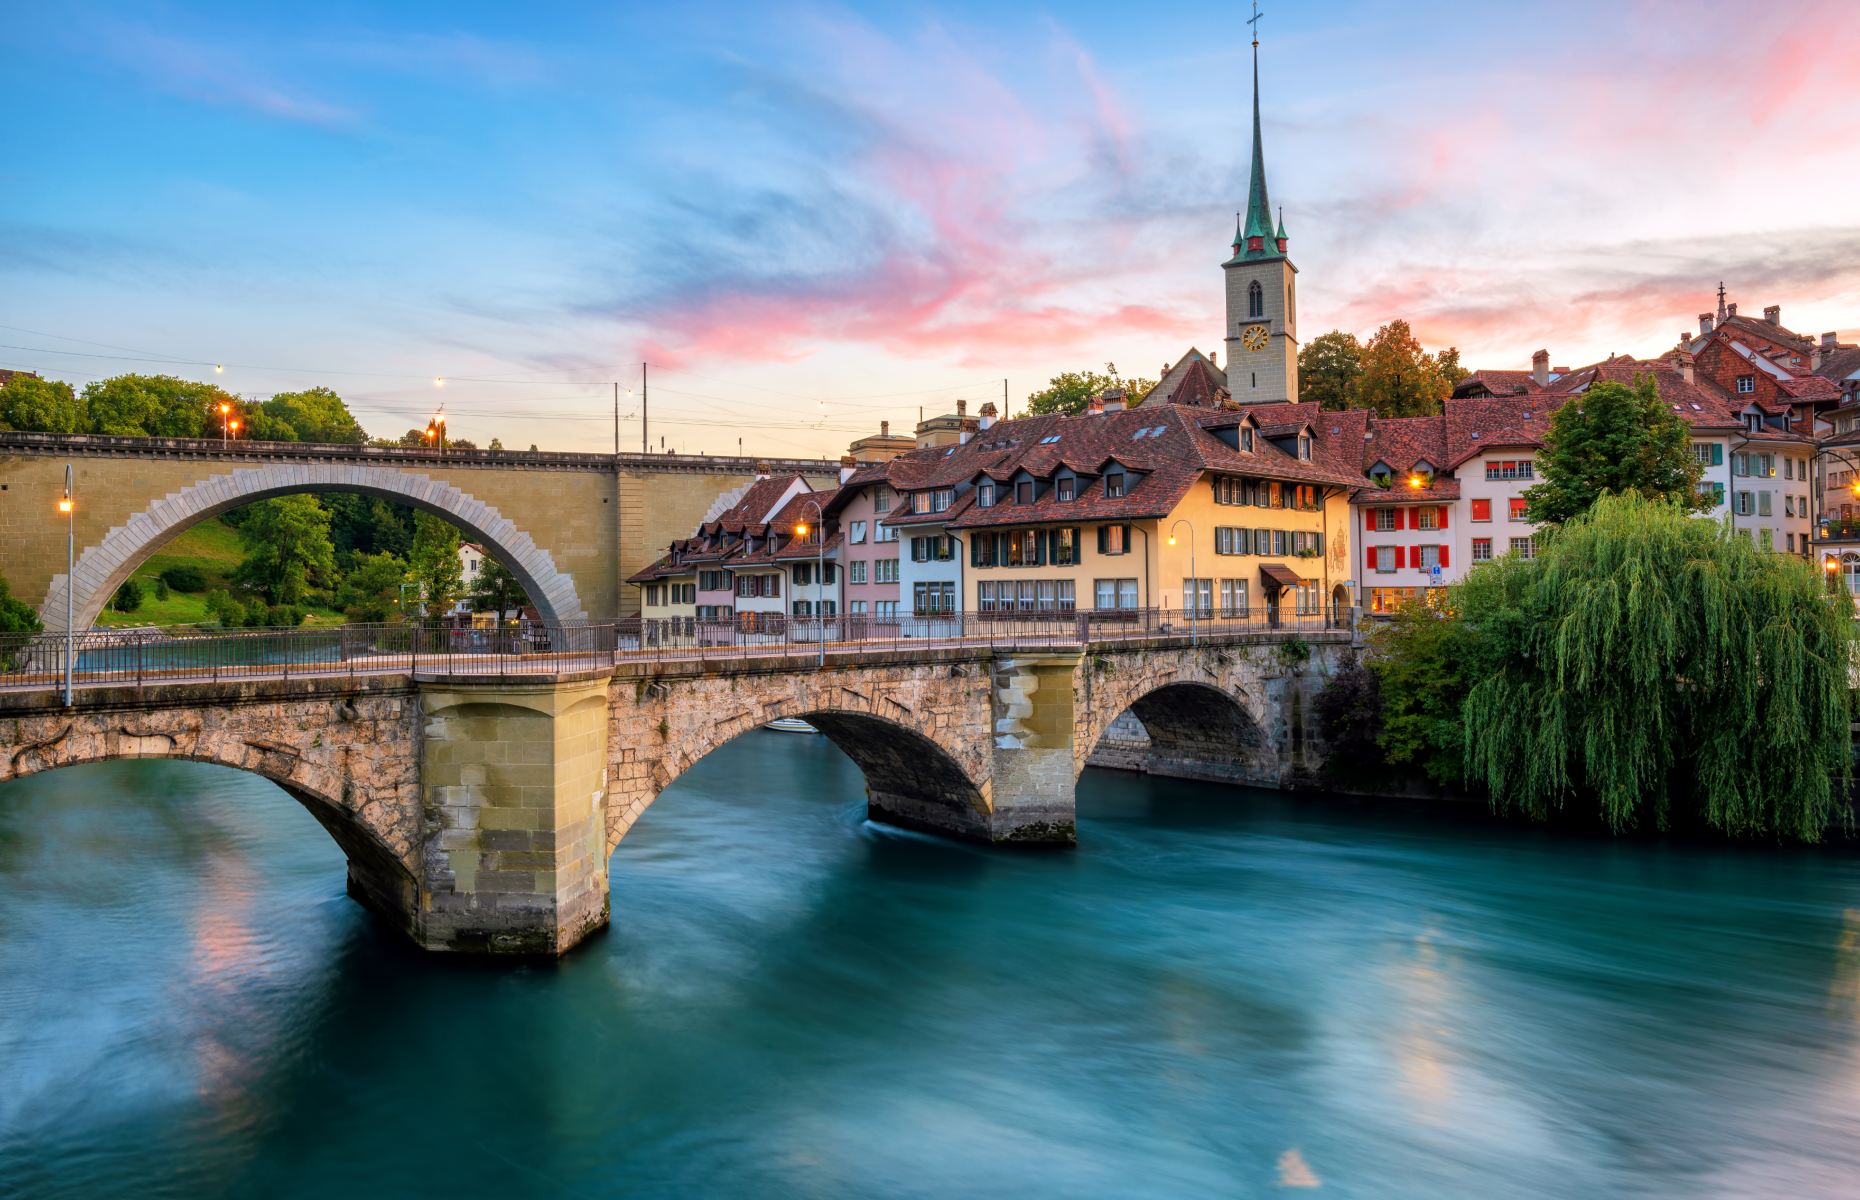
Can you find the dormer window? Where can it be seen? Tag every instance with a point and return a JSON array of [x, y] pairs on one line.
[[1023, 492], [1065, 488], [1753, 422], [1304, 446], [1246, 438], [1114, 485], [1746, 384], [1382, 473], [985, 495]]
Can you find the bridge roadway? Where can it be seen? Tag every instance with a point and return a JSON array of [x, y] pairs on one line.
[[478, 797]]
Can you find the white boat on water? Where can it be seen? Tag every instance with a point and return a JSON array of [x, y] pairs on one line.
[[791, 725]]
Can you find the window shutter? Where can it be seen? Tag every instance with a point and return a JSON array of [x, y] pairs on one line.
[[1401, 518], [1369, 520], [1717, 455], [1443, 516], [1443, 558], [1103, 538], [1401, 557]]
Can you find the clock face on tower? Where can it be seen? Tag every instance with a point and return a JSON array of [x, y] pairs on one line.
[[1254, 338]]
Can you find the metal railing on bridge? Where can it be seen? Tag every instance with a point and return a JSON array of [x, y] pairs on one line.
[[138, 657]]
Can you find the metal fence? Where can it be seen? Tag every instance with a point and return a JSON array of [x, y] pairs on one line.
[[138, 657]]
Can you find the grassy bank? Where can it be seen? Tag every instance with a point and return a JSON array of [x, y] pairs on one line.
[[212, 548]]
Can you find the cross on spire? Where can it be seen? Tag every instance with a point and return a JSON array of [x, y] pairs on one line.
[[1254, 22]]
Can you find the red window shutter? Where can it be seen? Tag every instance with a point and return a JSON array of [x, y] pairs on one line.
[[1443, 516], [1401, 518], [1443, 554], [1369, 520], [1401, 557]]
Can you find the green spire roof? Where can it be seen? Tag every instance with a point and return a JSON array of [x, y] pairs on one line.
[[1258, 220]]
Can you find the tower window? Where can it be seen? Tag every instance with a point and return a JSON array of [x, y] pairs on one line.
[[1255, 300]]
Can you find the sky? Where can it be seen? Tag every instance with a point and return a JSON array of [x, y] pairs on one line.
[[809, 218]]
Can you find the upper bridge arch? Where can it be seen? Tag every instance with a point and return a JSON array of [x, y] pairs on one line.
[[105, 564]]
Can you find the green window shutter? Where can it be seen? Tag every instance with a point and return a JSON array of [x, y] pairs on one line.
[[1717, 455], [1103, 538]]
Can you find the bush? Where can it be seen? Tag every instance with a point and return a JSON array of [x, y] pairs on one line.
[[226, 608], [128, 598], [284, 616], [184, 579], [1349, 715], [161, 589]]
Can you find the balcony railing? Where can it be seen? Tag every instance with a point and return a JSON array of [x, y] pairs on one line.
[[142, 657]]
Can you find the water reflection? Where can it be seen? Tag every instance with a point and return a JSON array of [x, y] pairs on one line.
[[1220, 993]]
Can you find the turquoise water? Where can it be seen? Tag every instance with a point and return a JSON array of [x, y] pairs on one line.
[[1220, 993]]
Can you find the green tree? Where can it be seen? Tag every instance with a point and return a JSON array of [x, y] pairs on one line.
[[1655, 666], [16, 616], [1069, 392], [1424, 661], [315, 415], [1399, 378], [35, 405], [371, 592], [155, 406], [1613, 438], [496, 590], [434, 561], [1447, 362], [1328, 367], [128, 597], [288, 550]]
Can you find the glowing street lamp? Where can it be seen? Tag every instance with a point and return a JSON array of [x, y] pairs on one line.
[[1194, 633], [225, 422], [820, 575], [67, 506]]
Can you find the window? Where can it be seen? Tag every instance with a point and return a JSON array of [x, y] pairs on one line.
[[1713, 490], [655, 594], [1305, 497], [1050, 439], [1383, 601], [856, 533], [1746, 504], [1227, 540], [1065, 543], [932, 501], [1427, 518], [1065, 488], [1025, 595], [803, 574], [1246, 438], [715, 612], [1788, 471], [881, 498], [1304, 446], [1746, 384], [1255, 300], [1114, 593], [1482, 550], [1309, 598], [1766, 539], [1427, 557], [1789, 502], [935, 548], [985, 495], [1514, 509], [1520, 469], [884, 570], [1382, 559], [1482, 510], [1233, 597], [928, 599], [1026, 548], [885, 610], [803, 608], [1766, 465], [1763, 504], [856, 571], [1524, 547], [855, 608], [1023, 492], [1385, 520], [714, 581], [1113, 539], [1198, 596], [884, 533], [1114, 485]]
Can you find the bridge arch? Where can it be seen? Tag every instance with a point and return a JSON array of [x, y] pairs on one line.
[[1204, 715], [377, 832], [913, 777], [102, 567]]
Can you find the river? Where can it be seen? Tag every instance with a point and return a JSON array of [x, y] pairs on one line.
[[1219, 993]]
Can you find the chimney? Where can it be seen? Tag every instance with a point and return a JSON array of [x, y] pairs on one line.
[[1773, 314], [1095, 407], [762, 469], [1540, 368], [962, 408], [1214, 358], [1730, 310], [1828, 340], [884, 429], [1704, 324], [848, 464], [1115, 402], [1682, 360], [989, 412], [1821, 352]]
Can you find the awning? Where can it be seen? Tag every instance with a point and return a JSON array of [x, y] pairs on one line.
[[1275, 576]]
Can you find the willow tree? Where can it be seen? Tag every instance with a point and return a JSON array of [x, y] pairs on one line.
[[1662, 668]]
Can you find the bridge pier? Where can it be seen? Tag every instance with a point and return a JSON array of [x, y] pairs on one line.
[[513, 775], [1033, 750]]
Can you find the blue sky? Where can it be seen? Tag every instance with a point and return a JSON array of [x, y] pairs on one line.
[[813, 217]]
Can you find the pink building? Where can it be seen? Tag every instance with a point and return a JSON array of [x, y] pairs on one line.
[[868, 550]]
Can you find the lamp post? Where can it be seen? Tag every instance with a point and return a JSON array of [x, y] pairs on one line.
[[820, 572], [69, 508], [1194, 632], [225, 423], [436, 430]]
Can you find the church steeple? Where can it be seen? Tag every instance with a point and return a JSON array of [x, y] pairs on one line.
[[1254, 238]]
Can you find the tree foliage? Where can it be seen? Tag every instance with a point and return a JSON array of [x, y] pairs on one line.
[[1653, 665], [16, 616], [315, 414], [371, 592], [1068, 393], [288, 550], [37, 405], [496, 590], [155, 406], [1328, 367], [1399, 378], [1424, 661], [128, 597], [434, 561], [1349, 715], [1613, 438]]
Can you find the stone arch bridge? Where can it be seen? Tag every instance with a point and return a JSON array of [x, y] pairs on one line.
[[479, 814], [570, 527]]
